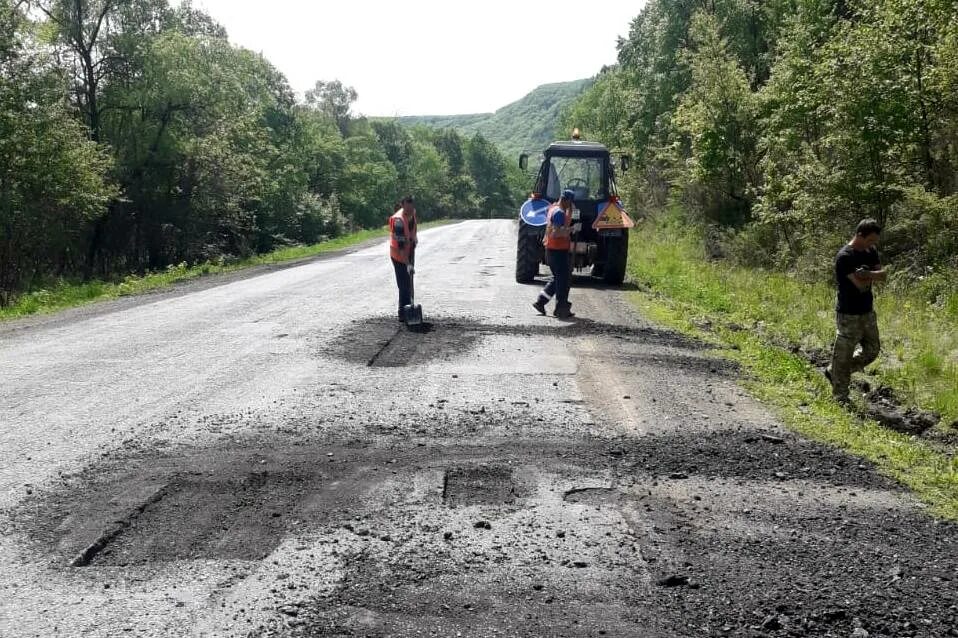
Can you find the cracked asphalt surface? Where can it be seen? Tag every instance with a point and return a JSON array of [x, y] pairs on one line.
[[275, 456]]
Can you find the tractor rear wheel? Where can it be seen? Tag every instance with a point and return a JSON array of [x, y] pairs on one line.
[[616, 256], [528, 254]]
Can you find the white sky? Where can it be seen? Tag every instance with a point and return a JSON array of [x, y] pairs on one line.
[[426, 57]]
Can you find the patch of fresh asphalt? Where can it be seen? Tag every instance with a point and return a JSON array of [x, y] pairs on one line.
[[277, 457]]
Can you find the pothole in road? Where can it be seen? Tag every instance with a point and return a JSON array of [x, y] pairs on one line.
[[383, 342], [543, 569], [595, 496], [235, 502], [239, 500], [193, 517], [481, 485]]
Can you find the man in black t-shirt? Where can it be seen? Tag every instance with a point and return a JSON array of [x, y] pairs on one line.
[[857, 267]]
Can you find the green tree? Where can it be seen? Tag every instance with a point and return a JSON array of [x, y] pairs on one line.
[[53, 180], [98, 39], [430, 179], [601, 114], [487, 168], [460, 194], [203, 137], [323, 150], [335, 100], [802, 115], [398, 146], [717, 117], [855, 116], [369, 183]]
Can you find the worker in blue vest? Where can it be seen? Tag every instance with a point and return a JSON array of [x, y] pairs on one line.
[[558, 243]]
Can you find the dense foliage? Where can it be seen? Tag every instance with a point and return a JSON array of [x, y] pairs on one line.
[[528, 124], [134, 135], [779, 124]]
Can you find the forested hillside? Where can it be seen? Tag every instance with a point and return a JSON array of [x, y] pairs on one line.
[[134, 135], [527, 124], [779, 124]]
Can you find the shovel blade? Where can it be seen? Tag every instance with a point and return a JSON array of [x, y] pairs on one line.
[[413, 314]]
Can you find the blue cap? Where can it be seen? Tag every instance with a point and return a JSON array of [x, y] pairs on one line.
[[568, 194]]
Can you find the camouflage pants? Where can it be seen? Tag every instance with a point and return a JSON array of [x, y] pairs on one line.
[[853, 330]]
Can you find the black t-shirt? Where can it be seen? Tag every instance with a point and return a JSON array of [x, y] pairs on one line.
[[851, 300]]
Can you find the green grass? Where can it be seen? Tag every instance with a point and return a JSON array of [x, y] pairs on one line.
[[67, 294], [918, 360]]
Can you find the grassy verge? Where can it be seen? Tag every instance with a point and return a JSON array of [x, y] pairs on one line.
[[684, 289], [68, 294]]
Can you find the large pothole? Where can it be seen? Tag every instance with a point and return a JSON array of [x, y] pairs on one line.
[[239, 500], [385, 342], [203, 517], [482, 485], [381, 342], [734, 529]]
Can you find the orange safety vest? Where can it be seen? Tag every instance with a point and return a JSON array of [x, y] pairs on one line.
[[408, 230], [552, 241]]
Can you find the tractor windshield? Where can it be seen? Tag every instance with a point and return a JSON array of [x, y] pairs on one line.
[[584, 175]]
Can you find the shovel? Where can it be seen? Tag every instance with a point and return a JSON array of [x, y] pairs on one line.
[[412, 312]]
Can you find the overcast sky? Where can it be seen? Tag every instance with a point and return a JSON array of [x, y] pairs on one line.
[[426, 57]]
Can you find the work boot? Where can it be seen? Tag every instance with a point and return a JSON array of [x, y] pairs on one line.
[[563, 311], [540, 306], [843, 400]]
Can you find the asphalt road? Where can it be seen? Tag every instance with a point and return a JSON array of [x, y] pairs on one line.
[[276, 456]]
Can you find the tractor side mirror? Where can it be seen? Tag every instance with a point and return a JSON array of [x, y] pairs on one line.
[[524, 161], [625, 162]]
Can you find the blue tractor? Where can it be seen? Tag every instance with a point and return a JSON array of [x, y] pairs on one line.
[[602, 244]]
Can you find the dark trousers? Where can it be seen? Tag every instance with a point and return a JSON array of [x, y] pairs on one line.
[[404, 283], [559, 262]]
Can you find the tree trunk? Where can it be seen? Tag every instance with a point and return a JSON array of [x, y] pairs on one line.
[[931, 177]]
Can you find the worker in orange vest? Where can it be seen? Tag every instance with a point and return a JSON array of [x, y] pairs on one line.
[[558, 243], [402, 248]]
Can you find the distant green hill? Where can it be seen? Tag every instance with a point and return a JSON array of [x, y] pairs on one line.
[[527, 124]]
